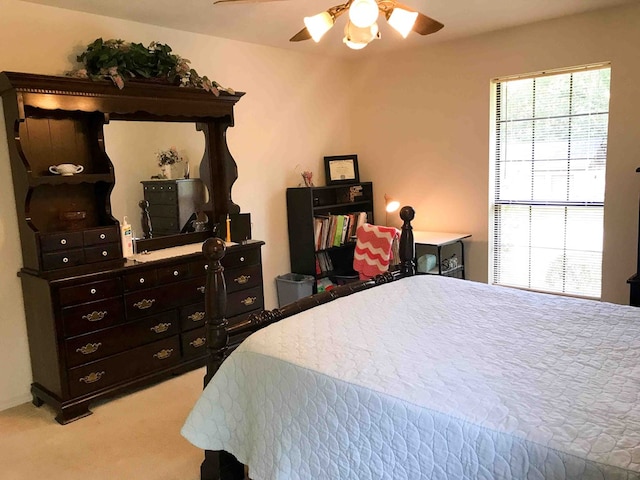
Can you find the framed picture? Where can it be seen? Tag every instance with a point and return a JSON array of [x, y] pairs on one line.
[[341, 169]]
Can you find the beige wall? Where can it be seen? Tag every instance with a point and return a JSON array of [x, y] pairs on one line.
[[432, 107], [282, 126], [420, 125]]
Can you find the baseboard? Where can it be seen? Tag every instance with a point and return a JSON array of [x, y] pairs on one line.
[[7, 403]]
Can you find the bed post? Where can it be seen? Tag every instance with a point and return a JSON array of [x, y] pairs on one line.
[[217, 465], [407, 245], [215, 306]]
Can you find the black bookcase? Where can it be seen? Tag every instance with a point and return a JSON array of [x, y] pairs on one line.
[[304, 205]]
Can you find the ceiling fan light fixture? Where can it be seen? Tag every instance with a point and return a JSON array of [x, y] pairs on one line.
[[357, 38], [363, 13], [318, 25], [402, 20]]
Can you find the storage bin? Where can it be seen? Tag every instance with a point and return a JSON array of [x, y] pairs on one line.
[[292, 287]]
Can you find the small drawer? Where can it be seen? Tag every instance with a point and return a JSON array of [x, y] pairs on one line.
[[172, 274], [164, 195], [241, 278], [243, 257], [92, 316], [60, 241], [109, 251], [244, 301], [191, 316], [62, 259], [93, 346], [89, 292], [140, 280], [99, 236], [194, 343], [124, 366]]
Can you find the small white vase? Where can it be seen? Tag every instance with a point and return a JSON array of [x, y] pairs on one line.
[[167, 171]]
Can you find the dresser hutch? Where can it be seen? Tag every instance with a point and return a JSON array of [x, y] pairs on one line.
[[99, 324]]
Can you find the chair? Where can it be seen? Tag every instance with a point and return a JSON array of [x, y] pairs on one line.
[[374, 247]]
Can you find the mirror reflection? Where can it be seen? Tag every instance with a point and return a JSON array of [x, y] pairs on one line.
[[134, 149]]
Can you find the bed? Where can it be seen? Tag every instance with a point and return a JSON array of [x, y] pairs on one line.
[[426, 377]]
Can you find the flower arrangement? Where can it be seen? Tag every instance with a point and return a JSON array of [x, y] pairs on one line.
[[118, 60], [169, 157]]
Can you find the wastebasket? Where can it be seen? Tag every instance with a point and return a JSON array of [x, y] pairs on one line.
[[293, 286]]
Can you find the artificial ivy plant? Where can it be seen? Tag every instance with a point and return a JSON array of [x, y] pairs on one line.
[[119, 60]]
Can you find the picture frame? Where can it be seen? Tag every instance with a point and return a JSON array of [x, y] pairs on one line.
[[341, 169]]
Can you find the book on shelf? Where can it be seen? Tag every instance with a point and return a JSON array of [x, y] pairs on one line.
[[336, 230]]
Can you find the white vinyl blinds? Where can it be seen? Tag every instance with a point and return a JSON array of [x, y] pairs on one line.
[[550, 135]]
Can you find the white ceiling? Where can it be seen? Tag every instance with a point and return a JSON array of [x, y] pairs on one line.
[[272, 23]]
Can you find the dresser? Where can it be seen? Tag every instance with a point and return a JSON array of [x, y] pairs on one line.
[[172, 203], [96, 334], [98, 324]]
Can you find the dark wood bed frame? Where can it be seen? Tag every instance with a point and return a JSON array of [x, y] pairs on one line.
[[221, 465]]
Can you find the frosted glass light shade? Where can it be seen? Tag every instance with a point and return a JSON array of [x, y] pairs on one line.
[[357, 38], [363, 13], [318, 25], [402, 20]]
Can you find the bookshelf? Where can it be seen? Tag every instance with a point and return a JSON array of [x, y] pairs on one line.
[[322, 223]]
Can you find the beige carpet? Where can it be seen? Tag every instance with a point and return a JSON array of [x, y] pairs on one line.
[[136, 436]]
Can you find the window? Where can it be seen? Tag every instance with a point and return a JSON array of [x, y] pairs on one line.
[[548, 177]]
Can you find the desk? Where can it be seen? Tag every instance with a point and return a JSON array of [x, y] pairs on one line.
[[436, 242]]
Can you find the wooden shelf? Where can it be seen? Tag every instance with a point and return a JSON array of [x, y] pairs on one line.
[[71, 179]]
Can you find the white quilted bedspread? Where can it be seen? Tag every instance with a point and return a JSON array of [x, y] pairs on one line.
[[433, 378]]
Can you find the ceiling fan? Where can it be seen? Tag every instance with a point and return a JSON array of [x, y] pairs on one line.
[[362, 27]]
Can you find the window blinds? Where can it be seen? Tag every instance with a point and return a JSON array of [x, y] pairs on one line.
[[550, 136]]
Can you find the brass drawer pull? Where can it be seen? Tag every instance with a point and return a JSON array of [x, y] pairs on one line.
[[92, 377], [242, 279], [94, 316], [163, 354], [161, 327], [248, 301], [196, 317], [200, 289], [198, 342], [144, 304], [89, 348]]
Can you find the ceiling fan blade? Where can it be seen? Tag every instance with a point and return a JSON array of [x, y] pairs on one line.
[[243, 1], [301, 35], [425, 25]]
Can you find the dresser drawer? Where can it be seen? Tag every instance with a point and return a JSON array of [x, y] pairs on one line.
[[124, 366], [172, 274], [161, 224], [192, 316], [62, 259], [194, 343], [92, 316], [243, 257], [100, 253], [241, 278], [89, 292], [140, 280], [244, 301], [60, 241], [94, 346], [99, 236], [146, 302], [164, 210], [231, 260]]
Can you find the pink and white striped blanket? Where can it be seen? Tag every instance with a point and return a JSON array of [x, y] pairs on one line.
[[373, 249]]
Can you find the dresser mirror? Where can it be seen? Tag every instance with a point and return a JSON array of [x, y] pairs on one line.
[[132, 147]]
